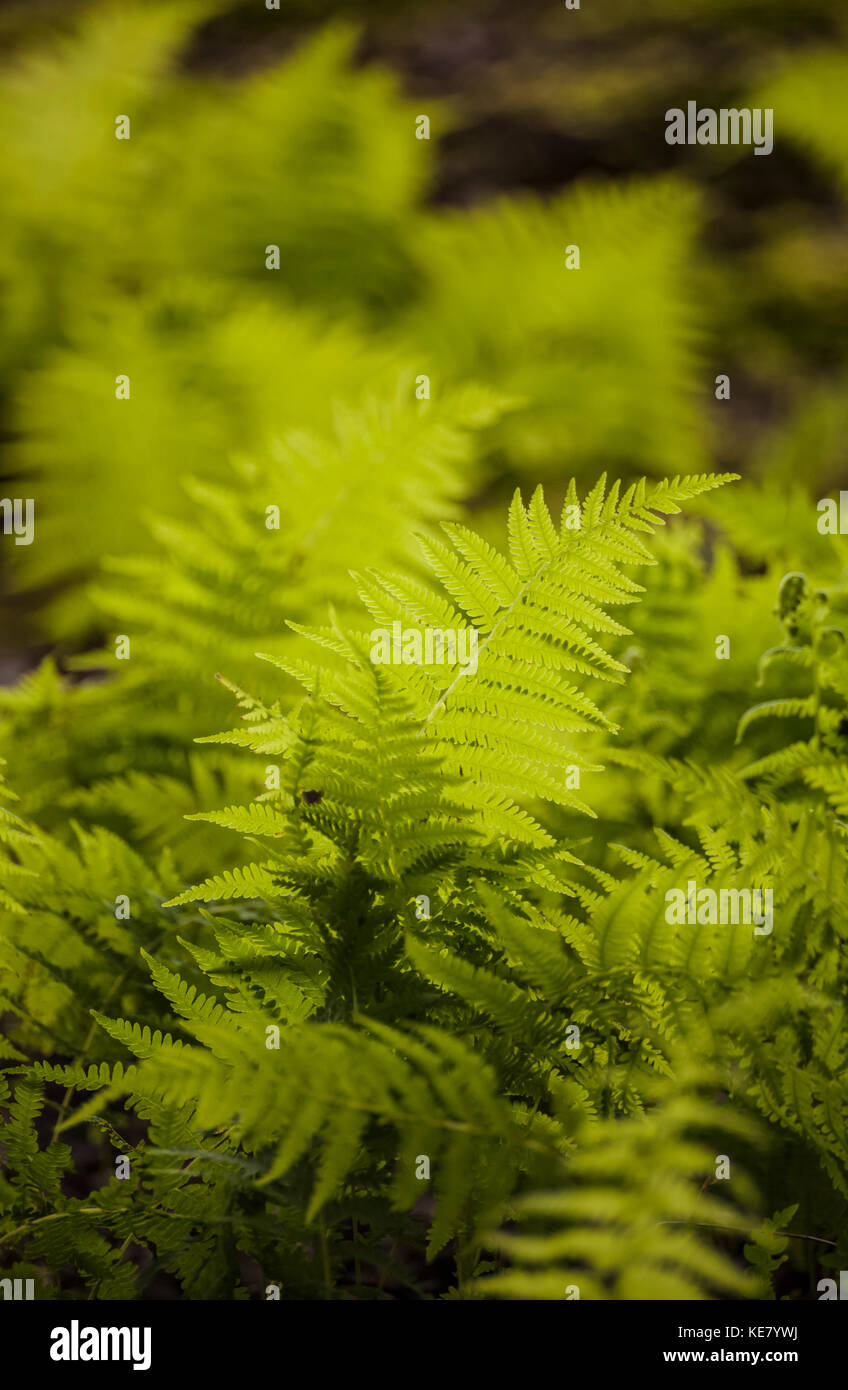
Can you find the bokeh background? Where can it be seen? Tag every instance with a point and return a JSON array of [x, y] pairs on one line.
[[296, 127]]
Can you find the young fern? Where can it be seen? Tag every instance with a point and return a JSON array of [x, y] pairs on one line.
[[814, 656]]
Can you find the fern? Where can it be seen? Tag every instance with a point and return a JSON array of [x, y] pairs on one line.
[[377, 994], [592, 1245]]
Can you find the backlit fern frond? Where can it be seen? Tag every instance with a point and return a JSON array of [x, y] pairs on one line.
[[507, 727]]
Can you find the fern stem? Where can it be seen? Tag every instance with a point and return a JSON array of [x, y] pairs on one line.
[[489, 636], [816, 708], [54, 1216], [711, 1226]]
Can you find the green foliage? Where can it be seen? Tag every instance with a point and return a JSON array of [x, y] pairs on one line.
[[382, 979], [240, 374], [621, 1228], [607, 359], [766, 1253], [125, 283], [806, 94], [298, 1053]]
